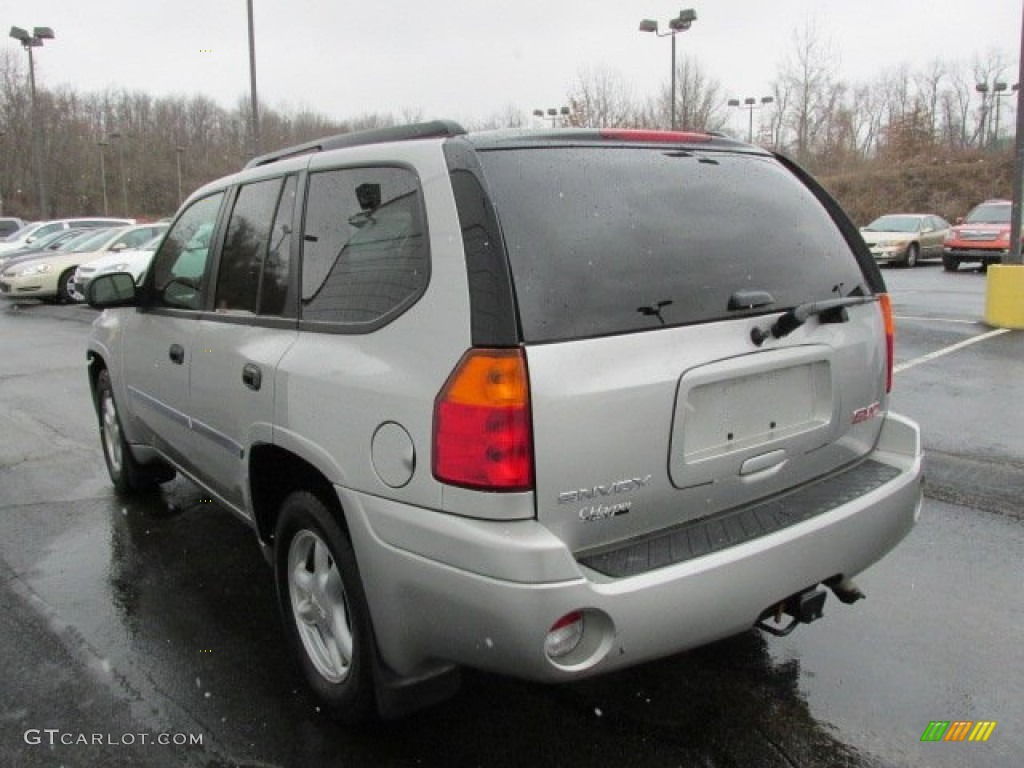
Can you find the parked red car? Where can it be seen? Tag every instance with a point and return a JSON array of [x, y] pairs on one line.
[[984, 236]]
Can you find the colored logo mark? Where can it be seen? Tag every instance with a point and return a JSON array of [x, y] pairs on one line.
[[958, 730]]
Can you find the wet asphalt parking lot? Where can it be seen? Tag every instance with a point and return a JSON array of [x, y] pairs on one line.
[[130, 624]]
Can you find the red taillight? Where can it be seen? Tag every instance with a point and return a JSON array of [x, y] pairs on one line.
[[482, 434], [885, 304], [641, 134]]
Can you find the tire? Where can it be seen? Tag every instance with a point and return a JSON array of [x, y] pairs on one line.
[[66, 287], [950, 264], [128, 476], [323, 606], [910, 257]]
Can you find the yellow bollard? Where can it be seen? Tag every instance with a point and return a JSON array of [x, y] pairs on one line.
[[1004, 296]]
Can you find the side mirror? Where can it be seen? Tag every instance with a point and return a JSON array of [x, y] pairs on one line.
[[959, 219], [113, 290], [116, 247]]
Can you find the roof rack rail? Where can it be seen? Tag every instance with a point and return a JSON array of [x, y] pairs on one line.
[[428, 130]]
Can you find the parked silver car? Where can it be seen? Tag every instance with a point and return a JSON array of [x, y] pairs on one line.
[[905, 238], [29, 234], [539, 403]]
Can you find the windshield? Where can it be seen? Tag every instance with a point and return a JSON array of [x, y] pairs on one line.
[[894, 224], [150, 245], [92, 241], [74, 239], [990, 214], [18, 233], [21, 234]]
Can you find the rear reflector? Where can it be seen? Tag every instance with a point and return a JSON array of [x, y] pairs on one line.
[[482, 433], [885, 303], [640, 134], [564, 636]]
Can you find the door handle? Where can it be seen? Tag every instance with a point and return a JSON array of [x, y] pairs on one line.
[[177, 354], [252, 376]]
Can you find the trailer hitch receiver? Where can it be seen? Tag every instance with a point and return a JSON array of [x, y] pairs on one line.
[[802, 608]]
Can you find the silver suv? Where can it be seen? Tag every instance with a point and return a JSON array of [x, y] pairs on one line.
[[542, 403]]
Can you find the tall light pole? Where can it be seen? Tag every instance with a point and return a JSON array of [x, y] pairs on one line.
[[124, 183], [252, 87], [178, 151], [998, 89], [3, 174], [1014, 257], [28, 42], [982, 88], [553, 114], [103, 144], [680, 23], [750, 104]]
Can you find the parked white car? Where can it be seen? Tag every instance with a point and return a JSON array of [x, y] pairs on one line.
[[134, 261]]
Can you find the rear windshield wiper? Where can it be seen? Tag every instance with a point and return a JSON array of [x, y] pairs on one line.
[[792, 319]]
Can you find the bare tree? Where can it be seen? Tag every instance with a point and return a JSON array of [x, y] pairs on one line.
[[988, 70], [600, 99], [929, 88], [809, 81], [511, 116]]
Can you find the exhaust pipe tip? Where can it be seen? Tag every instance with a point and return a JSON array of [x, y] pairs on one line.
[[845, 589]]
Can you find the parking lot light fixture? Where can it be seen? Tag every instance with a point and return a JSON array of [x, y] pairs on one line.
[[750, 104], [28, 42], [553, 114], [680, 23]]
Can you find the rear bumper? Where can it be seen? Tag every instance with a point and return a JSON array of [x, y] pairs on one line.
[[444, 589]]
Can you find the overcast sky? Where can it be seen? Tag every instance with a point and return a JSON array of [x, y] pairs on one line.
[[467, 59]]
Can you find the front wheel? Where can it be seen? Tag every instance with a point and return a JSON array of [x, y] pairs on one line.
[[910, 257], [127, 475], [320, 594], [66, 287]]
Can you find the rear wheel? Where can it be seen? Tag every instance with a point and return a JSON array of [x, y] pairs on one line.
[[127, 475], [321, 597], [950, 263]]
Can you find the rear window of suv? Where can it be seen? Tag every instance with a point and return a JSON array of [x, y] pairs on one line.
[[614, 240]]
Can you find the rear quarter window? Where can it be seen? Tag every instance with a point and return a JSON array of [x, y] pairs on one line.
[[365, 257], [612, 240]]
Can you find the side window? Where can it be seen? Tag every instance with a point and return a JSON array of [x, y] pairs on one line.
[[241, 261], [133, 239], [364, 251], [179, 265], [277, 267]]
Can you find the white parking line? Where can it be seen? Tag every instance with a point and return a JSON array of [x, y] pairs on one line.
[[948, 350], [938, 319]]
